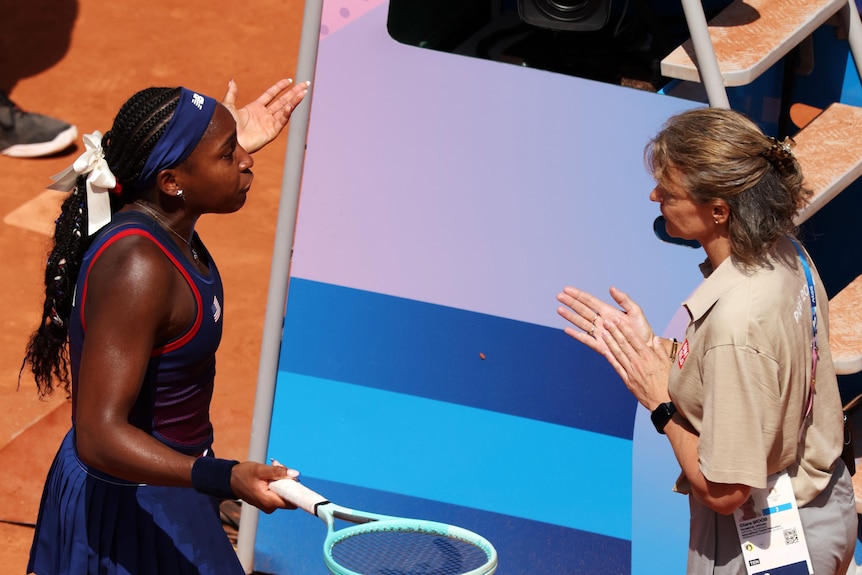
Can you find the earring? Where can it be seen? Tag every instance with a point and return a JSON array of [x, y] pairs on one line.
[[180, 195], [716, 221]]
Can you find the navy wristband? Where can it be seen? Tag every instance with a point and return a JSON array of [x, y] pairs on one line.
[[212, 476]]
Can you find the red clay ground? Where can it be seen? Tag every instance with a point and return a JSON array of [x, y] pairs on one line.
[[80, 61]]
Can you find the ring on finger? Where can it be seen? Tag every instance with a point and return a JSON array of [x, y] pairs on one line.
[[592, 331], [597, 316]]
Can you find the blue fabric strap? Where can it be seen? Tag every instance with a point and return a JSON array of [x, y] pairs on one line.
[[815, 353], [182, 134], [811, 293]]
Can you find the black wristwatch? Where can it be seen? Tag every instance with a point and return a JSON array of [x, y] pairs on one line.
[[661, 415]]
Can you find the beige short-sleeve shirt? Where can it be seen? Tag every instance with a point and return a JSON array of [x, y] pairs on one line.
[[742, 375]]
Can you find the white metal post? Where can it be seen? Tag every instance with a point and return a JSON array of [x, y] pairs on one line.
[[707, 64], [279, 274]]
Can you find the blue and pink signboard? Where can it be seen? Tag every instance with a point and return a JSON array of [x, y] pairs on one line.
[[445, 201]]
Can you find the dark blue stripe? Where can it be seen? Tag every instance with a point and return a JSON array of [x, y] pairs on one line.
[[292, 541], [434, 351]]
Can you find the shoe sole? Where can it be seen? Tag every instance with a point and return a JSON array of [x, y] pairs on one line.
[[62, 141]]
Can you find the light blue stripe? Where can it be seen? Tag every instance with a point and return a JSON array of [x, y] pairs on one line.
[[455, 454], [778, 508]]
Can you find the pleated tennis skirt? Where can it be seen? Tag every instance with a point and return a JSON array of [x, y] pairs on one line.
[[92, 523]]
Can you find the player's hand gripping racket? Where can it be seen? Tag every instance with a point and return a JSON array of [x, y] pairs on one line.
[[385, 545]]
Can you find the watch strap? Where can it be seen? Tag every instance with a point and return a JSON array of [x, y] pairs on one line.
[[661, 415]]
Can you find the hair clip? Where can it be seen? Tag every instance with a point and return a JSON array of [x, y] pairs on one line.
[[780, 155]]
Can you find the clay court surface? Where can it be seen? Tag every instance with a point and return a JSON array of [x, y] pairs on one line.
[[80, 61]]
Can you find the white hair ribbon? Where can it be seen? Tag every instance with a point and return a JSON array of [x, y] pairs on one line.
[[100, 180]]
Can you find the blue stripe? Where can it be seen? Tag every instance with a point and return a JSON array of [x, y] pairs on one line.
[[291, 541], [778, 508], [437, 352], [454, 454]]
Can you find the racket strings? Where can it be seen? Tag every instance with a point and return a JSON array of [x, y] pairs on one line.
[[400, 552]]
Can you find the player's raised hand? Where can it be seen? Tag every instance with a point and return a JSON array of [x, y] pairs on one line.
[[261, 121]]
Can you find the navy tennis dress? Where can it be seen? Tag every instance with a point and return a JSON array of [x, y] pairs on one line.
[[92, 523]]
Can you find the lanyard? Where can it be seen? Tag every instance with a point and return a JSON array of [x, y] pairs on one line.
[[814, 351]]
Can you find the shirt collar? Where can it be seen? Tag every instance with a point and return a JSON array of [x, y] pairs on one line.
[[716, 283], [728, 275]]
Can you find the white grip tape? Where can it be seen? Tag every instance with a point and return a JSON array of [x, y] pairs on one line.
[[297, 494]]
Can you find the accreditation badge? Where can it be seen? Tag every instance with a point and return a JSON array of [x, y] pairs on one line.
[[770, 530]]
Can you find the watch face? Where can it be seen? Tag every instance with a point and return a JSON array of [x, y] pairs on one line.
[[662, 415]]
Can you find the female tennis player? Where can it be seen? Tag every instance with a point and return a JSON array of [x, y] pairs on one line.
[[131, 322]]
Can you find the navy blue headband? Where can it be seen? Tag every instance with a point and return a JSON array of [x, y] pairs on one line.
[[182, 134]]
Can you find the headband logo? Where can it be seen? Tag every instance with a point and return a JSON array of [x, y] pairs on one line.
[[198, 101]]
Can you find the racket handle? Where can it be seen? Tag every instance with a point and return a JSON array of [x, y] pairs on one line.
[[298, 494]]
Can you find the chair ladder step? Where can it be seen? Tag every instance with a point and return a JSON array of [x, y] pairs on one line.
[[845, 328], [750, 36], [829, 150]]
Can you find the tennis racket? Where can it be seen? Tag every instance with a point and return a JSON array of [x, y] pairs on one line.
[[386, 545]]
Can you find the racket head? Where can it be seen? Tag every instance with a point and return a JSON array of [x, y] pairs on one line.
[[401, 546], [386, 545]]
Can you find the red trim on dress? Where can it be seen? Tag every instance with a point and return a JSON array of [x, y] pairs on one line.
[[192, 331]]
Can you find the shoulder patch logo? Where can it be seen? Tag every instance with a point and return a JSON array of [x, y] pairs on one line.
[[216, 309]]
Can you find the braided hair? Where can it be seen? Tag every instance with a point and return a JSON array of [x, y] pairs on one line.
[[137, 128]]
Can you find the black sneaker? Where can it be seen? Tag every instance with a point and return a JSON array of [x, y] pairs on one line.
[[29, 135]]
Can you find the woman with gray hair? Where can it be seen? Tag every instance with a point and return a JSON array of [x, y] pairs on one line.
[[749, 399]]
